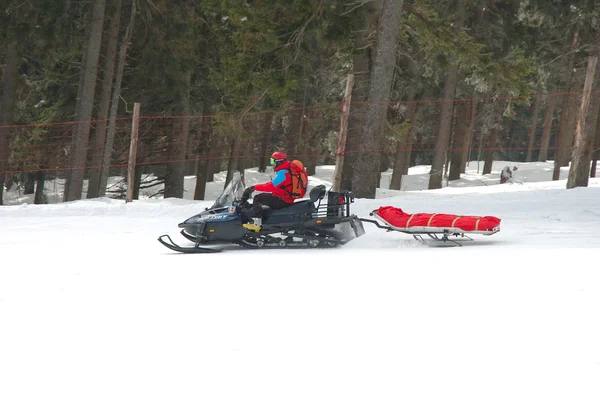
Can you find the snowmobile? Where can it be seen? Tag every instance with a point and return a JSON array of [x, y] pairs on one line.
[[308, 222]]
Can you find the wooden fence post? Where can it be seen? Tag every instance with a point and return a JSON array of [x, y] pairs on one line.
[[339, 157], [133, 152]]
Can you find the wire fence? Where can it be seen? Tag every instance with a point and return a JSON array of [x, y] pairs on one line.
[[519, 129]]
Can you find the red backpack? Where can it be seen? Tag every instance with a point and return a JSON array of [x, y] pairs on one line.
[[299, 179]]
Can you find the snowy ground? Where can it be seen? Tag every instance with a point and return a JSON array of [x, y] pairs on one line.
[[91, 305]]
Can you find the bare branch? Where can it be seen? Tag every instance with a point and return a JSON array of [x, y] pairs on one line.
[[357, 6], [247, 109], [298, 36]]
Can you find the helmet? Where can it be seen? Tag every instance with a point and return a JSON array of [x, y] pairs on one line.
[[278, 158]]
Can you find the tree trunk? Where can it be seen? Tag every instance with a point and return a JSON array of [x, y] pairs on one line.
[[490, 150], [201, 177], [314, 156], [585, 131], [175, 176], [510, 127], [342, 136], [137, 181], [443, 137], [447, 160], [399, 163], [595, 158], [480, 30], [410, 138], [265, 152], [403, 150], [104, 104], [29, 184], [355, 120], [262, 160], [245, 158], [202, 165], [312, 149], [114, 102], [40, 198], [311, 165], [85, 104], [565, 125], [462, 125], [9, 90], [175, 170], [364, 177], [570, 131], [384, 162], [466, 152], [214, 154], [214, 166], [532, 131], [236, 148], [545, 141], [596, 152], [9, 180], [304, 147], [384, 159], [293, 132], [361, 70]]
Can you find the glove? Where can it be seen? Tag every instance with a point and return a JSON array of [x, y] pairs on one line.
[[247, 192]]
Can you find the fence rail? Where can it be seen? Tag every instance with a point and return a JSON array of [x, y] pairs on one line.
[[512, 128]]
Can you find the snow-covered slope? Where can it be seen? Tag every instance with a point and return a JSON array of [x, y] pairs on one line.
[[91, 305]]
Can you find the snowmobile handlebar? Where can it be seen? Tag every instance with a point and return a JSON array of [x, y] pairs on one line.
[[246, 195]]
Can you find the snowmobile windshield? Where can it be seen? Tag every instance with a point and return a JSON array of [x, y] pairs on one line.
[[233, 191]]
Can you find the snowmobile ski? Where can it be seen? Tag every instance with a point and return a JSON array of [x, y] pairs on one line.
[[185, 249]]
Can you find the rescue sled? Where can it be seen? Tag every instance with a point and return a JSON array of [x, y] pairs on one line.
[[443, 229]]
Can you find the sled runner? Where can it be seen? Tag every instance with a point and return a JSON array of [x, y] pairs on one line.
[[443, 229]]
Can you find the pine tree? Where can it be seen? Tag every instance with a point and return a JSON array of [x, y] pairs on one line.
[[85, 102], [365, 167]]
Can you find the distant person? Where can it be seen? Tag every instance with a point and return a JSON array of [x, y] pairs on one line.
[[506, 175]]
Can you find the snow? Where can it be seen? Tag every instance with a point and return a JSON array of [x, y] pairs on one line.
[[91, 305]]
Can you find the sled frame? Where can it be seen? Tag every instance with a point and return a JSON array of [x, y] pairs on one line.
[[446, 238]]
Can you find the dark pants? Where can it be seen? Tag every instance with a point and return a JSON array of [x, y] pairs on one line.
[[274, 202]]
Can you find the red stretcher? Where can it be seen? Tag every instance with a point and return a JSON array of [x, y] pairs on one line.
[[442, 228]]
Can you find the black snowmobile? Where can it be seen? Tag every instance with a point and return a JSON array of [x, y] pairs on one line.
[[306, 223]]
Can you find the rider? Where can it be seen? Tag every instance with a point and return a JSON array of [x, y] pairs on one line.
[[276, 192]]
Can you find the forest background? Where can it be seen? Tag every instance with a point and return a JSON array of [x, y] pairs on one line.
[[366, 85]]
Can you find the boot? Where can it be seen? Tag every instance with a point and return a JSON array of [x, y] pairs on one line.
[[256, 226]]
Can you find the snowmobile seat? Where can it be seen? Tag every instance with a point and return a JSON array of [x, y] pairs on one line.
[[300, 206], [294, 208]]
